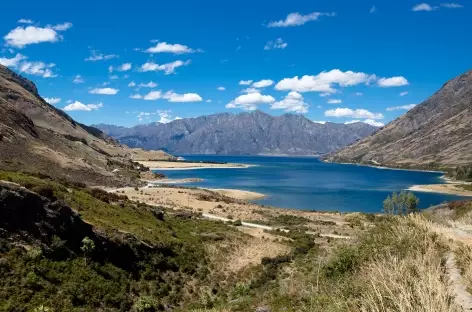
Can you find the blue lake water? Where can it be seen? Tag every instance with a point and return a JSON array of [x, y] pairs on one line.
[[306, 183]]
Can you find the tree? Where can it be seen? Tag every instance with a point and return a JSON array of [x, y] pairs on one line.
[[401, 203], [88, 246], [388, 205]]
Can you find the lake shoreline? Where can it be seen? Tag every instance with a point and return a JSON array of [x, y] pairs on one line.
[[448, 188], [175, 165]]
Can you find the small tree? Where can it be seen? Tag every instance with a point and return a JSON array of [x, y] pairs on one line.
[[388, 206], [412, 203], [88, 246]]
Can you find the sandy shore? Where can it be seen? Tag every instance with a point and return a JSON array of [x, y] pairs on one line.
[[173, 181], [173, 165], [239, 194], [449, 188]]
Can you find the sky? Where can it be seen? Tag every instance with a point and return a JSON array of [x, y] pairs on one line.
[[129, 63]]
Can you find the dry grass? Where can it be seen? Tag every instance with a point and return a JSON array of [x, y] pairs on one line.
[[415, 282]]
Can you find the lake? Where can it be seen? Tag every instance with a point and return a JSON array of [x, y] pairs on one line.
[[306, 183]]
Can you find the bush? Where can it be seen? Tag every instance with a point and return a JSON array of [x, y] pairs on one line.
[[45, 191]]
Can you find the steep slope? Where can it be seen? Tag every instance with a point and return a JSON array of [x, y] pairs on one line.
[[37, 137], [245, 133], [436, 132]]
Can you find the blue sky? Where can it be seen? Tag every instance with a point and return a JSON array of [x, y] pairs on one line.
[[125, 63]]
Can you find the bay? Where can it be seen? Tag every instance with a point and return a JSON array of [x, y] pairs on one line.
[[306, 183]]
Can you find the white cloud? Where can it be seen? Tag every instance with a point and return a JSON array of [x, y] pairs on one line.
[[53, 100], [373, 9], [32, 68], [114, 77], [402, 107], [263, 83], [164, 47], [324, 94], [296, 19], [25, 21], [166, 117], [423, 7], [451, 5], [104, 91], [403, 93], [367, 121], [150, 84], [392, 82], [245, 82], [250, 101], [359, 94], [374, 123], [324, 82], [276, 44], [293, 102], [37, 69], [77, 106], [152, 96], [12, 62], [78, 79], [182, 98], [123, 67], [357, 113], [97, 56], [132, 84], [334, 101], [321, 122], [250, 90], [168, 68], [136, 96], [23, 36], [221, 88], [62, 27], [208, 101]]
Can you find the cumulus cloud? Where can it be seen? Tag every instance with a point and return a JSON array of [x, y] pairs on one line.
[[53, 100], [166, 117], [150, 84], [296, 19], [402, 107], [78, 79], [250, 101], [451, 5], [182, 98], [324, 82], [164, 47], [23, 36], [245, 82], [98, 56], [123, 67], [293, 102], [132, 84], [392, 82], [324, 94], [152, 96], [367, 121], [263, 83], [136, 96], [168, 68], [104, 91], [12, 62], [25, 21], [350, 113], [423, 7], [275, 44], [78, 106], [250, 90], [221, 88], [20, 63], [334, 101]]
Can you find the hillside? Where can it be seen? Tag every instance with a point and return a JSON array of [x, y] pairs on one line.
[[245, 133], [435, 132], [37, 137]]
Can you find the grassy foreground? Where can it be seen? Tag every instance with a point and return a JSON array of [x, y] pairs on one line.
[[186, 263]]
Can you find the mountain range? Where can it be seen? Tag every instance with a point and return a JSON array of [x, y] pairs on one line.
[[255, 133], [36, 137], [437, 132]]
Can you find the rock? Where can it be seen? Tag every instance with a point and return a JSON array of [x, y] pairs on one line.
[[263, 309]]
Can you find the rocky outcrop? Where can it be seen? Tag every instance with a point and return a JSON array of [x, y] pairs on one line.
[[246, 133], [28, 218], [437, 132]]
